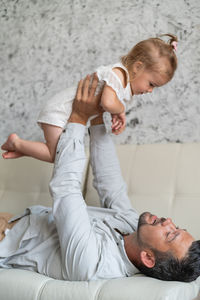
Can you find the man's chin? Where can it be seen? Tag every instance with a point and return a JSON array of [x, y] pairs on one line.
[[143, 219]]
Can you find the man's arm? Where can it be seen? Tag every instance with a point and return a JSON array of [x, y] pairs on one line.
[[78, 243], [108, 179]]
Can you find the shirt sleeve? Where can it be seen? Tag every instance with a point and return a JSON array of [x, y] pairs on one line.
[[107, 173], [78, 242]]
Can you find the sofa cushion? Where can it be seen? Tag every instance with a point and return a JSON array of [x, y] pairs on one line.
[[27, 285], [25, 182]]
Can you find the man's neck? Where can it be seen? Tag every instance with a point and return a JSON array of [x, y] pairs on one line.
[[132, 248]]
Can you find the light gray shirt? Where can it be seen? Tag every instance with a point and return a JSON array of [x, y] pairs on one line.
[[72, 241]]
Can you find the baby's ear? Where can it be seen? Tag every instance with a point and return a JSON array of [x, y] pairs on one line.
[[148, 259], [137, 66]]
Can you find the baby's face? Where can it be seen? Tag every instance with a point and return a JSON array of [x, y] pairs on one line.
[[145, 81]]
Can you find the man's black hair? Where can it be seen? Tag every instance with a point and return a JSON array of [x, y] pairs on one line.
[[167, 267]]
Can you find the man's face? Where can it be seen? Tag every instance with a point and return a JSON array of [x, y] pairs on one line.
[[162, 234]]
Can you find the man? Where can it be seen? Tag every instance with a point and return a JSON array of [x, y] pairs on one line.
[[76, 242]]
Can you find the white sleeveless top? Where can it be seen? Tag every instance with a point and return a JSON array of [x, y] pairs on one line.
[[58, 109], [106, 74]]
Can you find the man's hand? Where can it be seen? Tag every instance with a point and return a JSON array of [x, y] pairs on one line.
[[85, 103]]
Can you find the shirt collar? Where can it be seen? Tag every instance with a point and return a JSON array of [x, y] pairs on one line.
[[130, 267]]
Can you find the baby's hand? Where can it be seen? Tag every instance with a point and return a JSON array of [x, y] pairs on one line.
[[118, 123]]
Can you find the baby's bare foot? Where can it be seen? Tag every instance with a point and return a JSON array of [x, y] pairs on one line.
[[9, 145], [12, 154]]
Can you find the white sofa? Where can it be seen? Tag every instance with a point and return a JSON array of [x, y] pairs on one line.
[[162, 178]]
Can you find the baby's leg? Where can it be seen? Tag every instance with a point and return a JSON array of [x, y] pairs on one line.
[[51, 134], [16, 147]]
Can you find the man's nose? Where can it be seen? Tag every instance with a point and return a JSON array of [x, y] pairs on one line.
[[165, 222]]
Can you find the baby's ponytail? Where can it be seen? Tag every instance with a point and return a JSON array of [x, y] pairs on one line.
[[173, 41]]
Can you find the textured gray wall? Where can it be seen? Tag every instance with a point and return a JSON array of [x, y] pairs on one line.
[[47, 45]]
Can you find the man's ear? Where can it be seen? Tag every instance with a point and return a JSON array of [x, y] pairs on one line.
[[137, 66], [148, 259]]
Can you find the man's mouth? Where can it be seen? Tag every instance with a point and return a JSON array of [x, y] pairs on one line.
[[153, 219]]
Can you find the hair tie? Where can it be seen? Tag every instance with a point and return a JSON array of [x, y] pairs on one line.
[[174, 45]]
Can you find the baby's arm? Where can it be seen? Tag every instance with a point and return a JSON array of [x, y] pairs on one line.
[[110, 101], [112, 104]]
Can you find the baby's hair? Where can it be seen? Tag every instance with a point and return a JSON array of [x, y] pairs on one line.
[[152, 52]]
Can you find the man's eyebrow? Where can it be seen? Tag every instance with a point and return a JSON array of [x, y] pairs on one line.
[[155, 84]]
